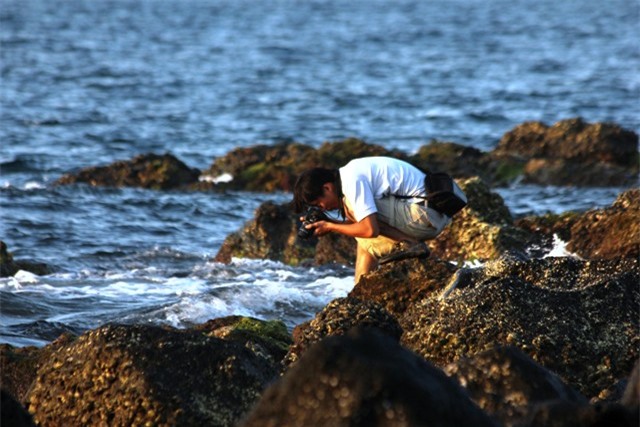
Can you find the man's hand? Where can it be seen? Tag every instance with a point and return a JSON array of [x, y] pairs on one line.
[[320, 228]]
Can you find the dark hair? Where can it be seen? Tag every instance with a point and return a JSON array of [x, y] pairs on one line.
[[309, 184]]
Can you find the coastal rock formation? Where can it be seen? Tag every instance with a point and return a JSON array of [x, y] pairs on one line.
[[273, 234], [576, 318], [572, 152], [337, 318], [364, 379], [483, 230], [147, 171], [269, 338], [507, 384], [9, 267], [13, 414], [18, 365], [397, 286], [126, 375], [607, 233]]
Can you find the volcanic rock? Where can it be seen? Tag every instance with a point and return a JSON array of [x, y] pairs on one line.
[[507, 384], [147, 171], [137, 375], [576, 318], [337, 318], [364, 379], [13, 414], [9, 267]]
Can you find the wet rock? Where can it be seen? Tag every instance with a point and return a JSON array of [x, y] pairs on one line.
[[269, 338], [396, 286], [18, 365], [273, 234], [364, 379], [158, 172], [578, 319], [631, 396], [507, 384], [13, 414], [337, 318], [483, 230], [608, 233], [457, 160], [572, 152], [611, 232], [276, 167], [9, 267], [137, 375]]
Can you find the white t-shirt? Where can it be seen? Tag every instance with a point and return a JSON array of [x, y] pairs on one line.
[[367, 179]]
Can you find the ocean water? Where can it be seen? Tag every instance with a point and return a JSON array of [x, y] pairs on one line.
[[86, 83]]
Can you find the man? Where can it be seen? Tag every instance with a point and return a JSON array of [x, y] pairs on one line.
[[383, 202]]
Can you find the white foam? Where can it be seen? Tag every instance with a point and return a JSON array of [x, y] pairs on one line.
[[559, 249], [33, 185], [225, 177], [24, 277]]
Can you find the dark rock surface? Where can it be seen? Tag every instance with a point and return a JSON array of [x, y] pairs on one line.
[[158, 172], [364, 379], [578, 319], [337, 318], [572, 152], [12, 413], [9, 267], [507, 384], [137, 375]]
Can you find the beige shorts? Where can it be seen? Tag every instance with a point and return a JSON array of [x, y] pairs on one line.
[[413, 219]]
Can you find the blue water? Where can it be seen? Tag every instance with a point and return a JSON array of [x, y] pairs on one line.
[[89, 82]]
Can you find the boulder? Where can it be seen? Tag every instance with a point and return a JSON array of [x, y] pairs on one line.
[[607, 233], [611, 232], [457, 160], [507, 384], [276, 167], [158, 172], [9, 267], [337, 318], [559, 413], [572, 152], [483, 230], [13, 414], [273, 234], [20, 364], [576, 318], [148, 375], [364, 379], [398, 285], [266, 337]]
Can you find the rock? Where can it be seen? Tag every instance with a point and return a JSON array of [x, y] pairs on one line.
[[571, 414], [126, 375], [147, 171], [576, 318], [276, 167], [611, 232], [483, 230], [269, 338], [364, 379], [398, 285], [457, 160], [572, 152], [13, 414], [9, 267], [506, 383], [337, 318], [273, 234], [631, 396], [20, 364]]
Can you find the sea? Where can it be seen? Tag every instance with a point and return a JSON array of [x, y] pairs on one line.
[[89, 82]]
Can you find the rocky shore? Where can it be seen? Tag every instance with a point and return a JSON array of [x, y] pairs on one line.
[[518, 340]]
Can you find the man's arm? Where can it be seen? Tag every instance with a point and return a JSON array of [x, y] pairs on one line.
[[367, 227]]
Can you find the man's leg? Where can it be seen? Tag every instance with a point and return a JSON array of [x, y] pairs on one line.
[[365, 262]]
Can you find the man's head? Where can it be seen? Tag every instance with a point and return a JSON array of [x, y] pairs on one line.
[[317, 187]]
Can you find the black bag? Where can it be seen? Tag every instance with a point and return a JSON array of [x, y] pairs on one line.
[[443, 194]]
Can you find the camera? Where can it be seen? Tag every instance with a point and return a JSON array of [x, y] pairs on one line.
[[314, 214]]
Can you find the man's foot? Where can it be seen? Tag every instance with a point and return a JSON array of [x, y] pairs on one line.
[[406, 250]]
